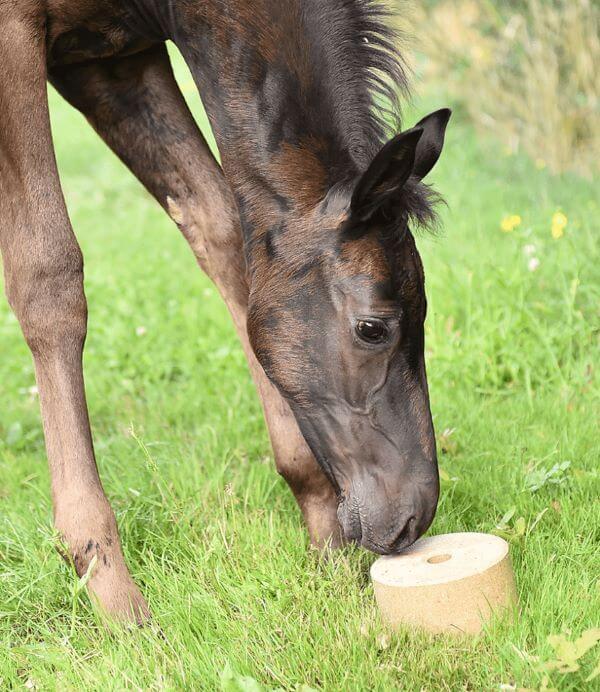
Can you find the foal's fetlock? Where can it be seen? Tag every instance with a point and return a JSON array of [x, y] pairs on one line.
[[97, 557], [90, 557]]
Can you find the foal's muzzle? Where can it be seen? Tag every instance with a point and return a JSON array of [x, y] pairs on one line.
[[387, 525]]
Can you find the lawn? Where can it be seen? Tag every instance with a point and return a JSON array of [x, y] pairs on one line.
[[212, 534]]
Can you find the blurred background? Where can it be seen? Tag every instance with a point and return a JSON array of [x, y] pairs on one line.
[[526, 72]]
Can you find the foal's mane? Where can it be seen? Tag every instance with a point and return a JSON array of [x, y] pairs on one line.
[[371, 44], [374, 69]]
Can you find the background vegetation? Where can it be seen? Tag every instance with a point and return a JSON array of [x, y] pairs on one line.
[[213, 535], [524, 71]]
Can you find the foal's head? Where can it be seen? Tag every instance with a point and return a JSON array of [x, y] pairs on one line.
[[337, 321]]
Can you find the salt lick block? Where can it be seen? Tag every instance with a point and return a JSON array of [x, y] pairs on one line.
[[452, 583]]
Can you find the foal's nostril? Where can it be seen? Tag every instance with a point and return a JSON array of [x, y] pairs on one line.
[[406, 537]]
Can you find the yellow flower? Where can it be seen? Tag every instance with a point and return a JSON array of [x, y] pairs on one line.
[[559, 223], [559, 219], [509, 223]]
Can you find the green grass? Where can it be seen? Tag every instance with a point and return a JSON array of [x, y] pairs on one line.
[[210, 531]]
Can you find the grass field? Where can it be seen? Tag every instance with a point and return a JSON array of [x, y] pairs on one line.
[[210, 531]]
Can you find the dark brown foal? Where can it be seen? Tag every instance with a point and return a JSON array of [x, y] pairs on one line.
[[305, 231]]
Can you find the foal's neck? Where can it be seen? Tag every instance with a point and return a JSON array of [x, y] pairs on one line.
[[289, 113]]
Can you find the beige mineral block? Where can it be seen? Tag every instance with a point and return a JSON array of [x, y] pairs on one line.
[[449, 583]]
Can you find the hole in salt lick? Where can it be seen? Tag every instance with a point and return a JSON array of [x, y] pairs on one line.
[[436, 559]]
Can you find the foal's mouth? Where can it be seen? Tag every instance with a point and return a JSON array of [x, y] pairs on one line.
[[349, 517]]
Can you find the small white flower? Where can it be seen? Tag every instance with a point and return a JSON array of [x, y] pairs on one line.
[[141, 331], [528, 250], [33, 391], [533, 264]]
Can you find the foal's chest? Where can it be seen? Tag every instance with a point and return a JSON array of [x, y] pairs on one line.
[[80, 30]]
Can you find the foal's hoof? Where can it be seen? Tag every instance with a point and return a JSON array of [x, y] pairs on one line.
[[119, 599]]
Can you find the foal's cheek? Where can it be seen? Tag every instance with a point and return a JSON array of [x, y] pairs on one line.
[[267, 342]]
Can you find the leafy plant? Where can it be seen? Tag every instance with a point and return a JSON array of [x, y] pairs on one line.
[[509, 528], [536, 478], [568, 653], [231, 682], [516, 530]]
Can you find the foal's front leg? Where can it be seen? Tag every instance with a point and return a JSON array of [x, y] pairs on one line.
[[43, 271], [136, 106]]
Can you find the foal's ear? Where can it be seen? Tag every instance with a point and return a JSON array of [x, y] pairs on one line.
[[386, 176], [411, 153], [432, 142]]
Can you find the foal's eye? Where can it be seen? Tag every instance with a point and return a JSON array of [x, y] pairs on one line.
[[372, 331]]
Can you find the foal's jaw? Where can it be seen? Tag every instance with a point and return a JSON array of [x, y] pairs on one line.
[[380, 457]]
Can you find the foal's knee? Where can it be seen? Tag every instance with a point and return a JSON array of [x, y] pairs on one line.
[[45, 291]]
